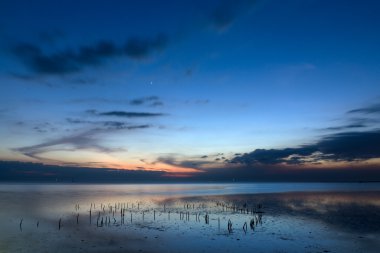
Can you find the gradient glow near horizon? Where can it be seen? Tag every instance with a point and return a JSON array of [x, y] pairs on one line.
[[188, 86]]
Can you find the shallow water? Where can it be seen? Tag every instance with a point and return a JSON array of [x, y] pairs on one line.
[[190, 218]]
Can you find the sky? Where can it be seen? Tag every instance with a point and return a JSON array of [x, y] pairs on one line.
[[255, 90]]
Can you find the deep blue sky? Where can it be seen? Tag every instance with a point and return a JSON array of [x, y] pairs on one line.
[[180, 87]]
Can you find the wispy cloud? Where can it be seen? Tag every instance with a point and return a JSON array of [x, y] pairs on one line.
[[83, 141], [346, 127], [126, 114], [184, 162], [364, 118], [130, 114], [372, 109], [108, 125], [45, 127], [152, 101], [68, 60]]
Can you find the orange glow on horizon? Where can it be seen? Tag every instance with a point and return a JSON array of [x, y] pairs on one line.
[[130, 166]]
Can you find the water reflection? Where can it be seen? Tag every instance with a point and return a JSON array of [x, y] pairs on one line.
[[349, 211], [138, 218]]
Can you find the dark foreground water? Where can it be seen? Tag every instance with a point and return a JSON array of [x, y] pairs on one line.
[[283, 217]]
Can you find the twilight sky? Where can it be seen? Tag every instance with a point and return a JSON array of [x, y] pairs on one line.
[[211, 90]]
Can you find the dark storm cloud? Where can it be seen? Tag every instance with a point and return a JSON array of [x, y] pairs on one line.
[[228, 11], [74, 60], [366, 110], [348, 146]]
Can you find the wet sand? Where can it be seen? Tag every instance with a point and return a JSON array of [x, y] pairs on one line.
[[282, 222]]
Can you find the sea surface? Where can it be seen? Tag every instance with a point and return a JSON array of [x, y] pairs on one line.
[[255, 217]]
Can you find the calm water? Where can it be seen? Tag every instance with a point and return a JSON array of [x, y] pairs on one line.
[[263, 217], [193, 189]]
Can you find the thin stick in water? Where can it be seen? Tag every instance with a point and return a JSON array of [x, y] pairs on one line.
[[21, 224]]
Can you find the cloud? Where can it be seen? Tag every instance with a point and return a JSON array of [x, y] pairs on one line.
[[37, 172], [68, 61], [355, 141], [149, 100], [33, 57], [121, 125], [345, 127], [108, 125], [86, 140], [186, 163], [364, 118], [366, 110], [126, 114], [45, 127], [139, 48], [228, 11], [347, 146]]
